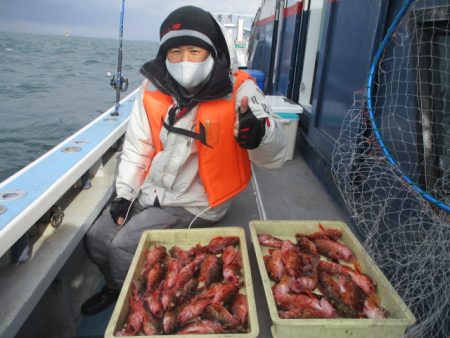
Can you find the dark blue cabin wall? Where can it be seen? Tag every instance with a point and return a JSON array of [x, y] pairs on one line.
[[353, 31], [335, 86]]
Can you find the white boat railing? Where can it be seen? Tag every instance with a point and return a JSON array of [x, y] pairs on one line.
[[27, 195]]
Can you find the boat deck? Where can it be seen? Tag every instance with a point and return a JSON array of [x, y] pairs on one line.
[[292, 192]]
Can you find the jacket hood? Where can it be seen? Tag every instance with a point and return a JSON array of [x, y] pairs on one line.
[[217, 85]]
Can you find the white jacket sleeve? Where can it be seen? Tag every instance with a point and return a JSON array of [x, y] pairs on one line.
[[271, 153], [137, 151]]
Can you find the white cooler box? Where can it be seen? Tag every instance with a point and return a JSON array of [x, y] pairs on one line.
[[287, 113]]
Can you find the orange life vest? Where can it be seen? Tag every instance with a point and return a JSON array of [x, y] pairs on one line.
[[224, 167]]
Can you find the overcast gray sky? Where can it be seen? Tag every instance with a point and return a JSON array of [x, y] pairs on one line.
[[100, 18]]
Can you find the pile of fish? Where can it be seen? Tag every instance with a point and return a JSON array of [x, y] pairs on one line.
[[319, 277], [194, 291]]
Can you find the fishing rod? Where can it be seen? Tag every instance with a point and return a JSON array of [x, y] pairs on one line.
[[118, 82]]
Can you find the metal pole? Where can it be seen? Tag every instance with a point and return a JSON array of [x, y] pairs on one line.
[[119, 80]]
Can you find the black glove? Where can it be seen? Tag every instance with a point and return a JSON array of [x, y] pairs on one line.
[[119, 208], [251, 130]]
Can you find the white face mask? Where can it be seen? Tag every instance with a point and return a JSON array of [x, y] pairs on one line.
[[190, 74]]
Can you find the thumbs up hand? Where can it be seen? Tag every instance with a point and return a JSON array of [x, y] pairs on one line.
[[249, 130]]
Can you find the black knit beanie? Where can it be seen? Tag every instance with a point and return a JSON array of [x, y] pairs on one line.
[[191, 25]]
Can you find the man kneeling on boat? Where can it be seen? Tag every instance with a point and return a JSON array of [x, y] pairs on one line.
[[195, 126]]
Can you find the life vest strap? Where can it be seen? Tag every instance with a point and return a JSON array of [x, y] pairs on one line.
[[200, 136]]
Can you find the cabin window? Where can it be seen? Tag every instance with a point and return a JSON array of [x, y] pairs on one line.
[[443, 50], [433, 69], [314, 36]]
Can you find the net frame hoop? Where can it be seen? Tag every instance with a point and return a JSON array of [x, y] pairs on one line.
[[370, 81]]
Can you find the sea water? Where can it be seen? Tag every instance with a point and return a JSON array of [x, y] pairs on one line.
[[51, 86]]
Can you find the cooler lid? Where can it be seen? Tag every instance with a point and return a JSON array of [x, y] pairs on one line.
[[281, 104]]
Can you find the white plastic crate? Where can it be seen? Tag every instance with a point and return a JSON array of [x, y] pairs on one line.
[[392, 327], [185, 238]]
